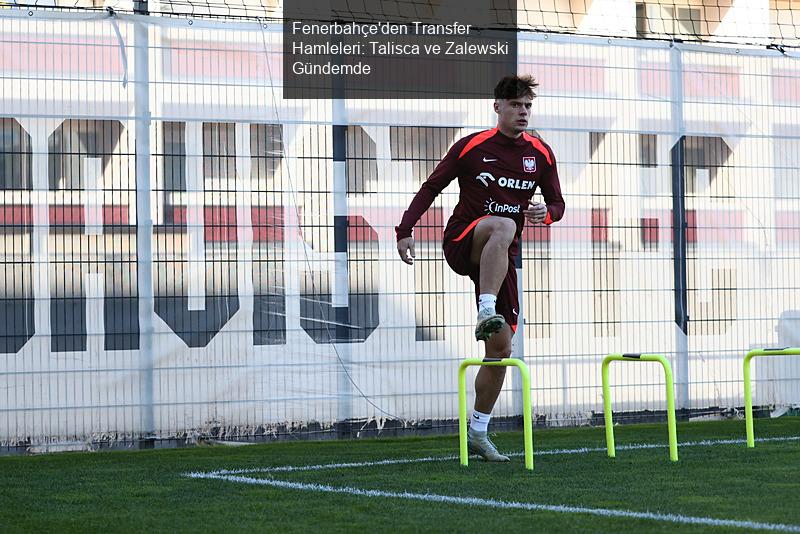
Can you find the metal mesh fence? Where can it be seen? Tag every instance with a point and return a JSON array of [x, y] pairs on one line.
[[170, 264], [765, 22]]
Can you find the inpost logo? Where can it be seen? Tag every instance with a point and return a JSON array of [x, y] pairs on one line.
[[495, 207]]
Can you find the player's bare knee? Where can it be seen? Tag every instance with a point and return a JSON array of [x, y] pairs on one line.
[[494, 228], [502, 228], [496, 224]]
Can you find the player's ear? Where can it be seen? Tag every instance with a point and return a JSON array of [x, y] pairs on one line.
[[497, 106]]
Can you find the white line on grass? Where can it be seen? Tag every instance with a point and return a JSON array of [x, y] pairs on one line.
[[543, 452], [492, 503]]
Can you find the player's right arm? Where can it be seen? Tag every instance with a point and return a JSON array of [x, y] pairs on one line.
[[444, 173], [405, 247]]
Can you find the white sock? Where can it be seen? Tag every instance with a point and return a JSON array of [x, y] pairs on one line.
[[479, 421], [487, 300]]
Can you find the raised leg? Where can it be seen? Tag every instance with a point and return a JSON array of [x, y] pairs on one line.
[[490, 241]]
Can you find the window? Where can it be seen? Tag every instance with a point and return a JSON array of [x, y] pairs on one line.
[[219, 151], [15, 156], [595, 140], [75, 140], [642, 21], [653, 19], [175, 156], [647, 150]]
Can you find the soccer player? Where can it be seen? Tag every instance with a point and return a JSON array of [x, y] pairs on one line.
[[498, 171]]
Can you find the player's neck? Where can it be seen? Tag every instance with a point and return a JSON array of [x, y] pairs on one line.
[[508, 133]]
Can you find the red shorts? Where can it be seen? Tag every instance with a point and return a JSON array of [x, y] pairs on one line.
[[457, 248]]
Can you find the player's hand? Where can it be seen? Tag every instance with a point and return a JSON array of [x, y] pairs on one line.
[[536, 212], [405, 247]]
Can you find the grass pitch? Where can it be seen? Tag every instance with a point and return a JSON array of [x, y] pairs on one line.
[[149, 490]]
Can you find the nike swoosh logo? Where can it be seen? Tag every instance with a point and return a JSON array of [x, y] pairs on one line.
[[489, 160]]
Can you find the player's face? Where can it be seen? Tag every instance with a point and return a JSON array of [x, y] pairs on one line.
[[513, 115]]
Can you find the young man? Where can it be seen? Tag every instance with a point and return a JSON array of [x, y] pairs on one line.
[[498, 171]]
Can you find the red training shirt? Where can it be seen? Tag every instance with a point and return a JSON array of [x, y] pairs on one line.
[[497, 175]]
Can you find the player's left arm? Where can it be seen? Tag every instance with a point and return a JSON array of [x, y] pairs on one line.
[[551, 191], [553, 208]]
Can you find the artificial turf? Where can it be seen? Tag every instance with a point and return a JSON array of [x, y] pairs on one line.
[[148, 490]]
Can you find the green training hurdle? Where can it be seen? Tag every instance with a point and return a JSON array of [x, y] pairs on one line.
[[673, 434], [748, 390], [526, 403]]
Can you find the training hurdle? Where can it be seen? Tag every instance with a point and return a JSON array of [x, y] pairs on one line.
[[526, 403], [673, 434], [748, 390]]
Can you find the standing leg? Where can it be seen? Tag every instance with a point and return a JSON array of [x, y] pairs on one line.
[[490, 242], [488, 384]]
